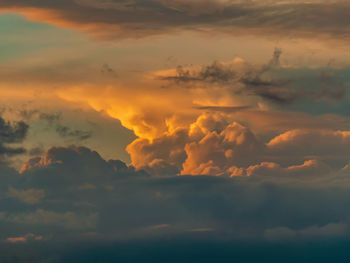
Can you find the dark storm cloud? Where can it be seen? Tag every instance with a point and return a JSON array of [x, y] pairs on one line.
[[271, 81], [134, 18]]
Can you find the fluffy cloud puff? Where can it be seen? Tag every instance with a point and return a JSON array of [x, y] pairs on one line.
[[210, 143], [216, 145], [311, 142], [214, 153]]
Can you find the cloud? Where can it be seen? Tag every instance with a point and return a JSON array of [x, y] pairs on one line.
[[136, 18], [11, 133], [62, 163], [67, 132], [107, 70], [72, 195], [315, 142], [24, 239], [30, 196], [235, 145], [54, 120], [281, 85], [50, 117], [309, 168], [215, 144], [70, 220], [167, 149], [327, 231], [211, 138], [228, 109]]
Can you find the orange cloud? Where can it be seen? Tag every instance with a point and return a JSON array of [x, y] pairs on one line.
[[24, 239]]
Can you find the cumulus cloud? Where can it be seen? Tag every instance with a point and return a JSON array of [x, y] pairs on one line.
[[217, 145], [301, 143], [62, 163], [210, 141], [135, 18], [214, 153]]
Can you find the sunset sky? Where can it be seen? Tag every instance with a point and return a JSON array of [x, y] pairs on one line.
[[220, 124]]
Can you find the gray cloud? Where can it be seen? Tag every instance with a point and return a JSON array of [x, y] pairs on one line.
[[116, 201], [72, 194], [11, 133], [135, 18], [66, 132], [54, 120], [271, 81], [228, 109]]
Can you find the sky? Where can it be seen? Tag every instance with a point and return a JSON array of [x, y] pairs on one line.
[[174, 130]]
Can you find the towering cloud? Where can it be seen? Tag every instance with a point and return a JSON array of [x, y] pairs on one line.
[[216, 140]]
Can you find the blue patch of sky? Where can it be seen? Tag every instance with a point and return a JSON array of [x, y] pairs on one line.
[[20, 37]]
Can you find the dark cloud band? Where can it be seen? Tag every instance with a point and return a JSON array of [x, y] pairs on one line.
[[135, 18]]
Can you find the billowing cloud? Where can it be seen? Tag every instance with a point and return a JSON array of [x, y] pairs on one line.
[[231, 152], [235, 145], [301, 143], [217, 145]]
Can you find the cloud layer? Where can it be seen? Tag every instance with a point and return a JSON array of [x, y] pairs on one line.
[[136, 18], [74, 193]]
